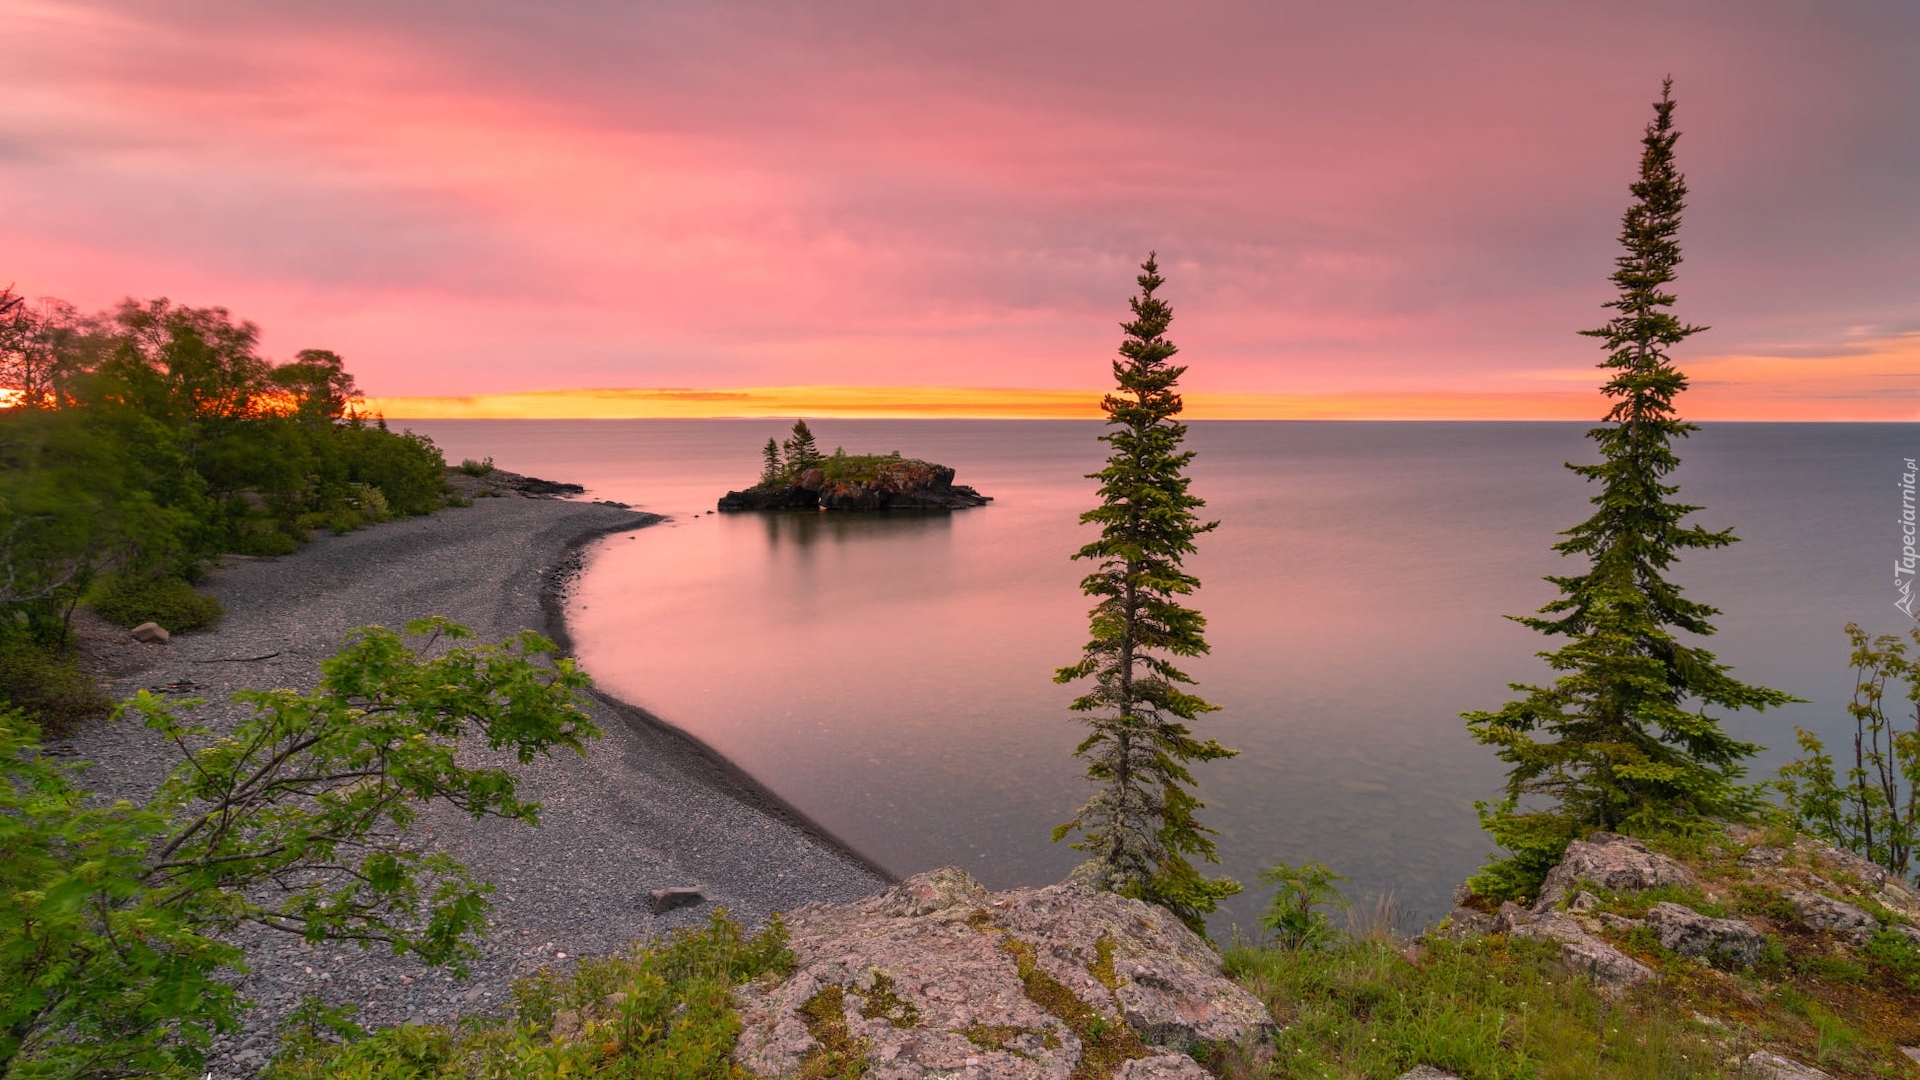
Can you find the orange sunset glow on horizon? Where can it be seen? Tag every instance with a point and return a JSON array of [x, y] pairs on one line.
[[1399, 212]]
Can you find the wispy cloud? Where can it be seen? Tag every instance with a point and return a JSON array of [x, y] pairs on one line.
[[1405, 199]]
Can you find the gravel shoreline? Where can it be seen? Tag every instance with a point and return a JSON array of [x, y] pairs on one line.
[[648, 807]]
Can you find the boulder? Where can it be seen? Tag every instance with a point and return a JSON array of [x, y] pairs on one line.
[[1871, 873], [151, 632], [1615, 863], [937, 976], [1819, 912], [1427, 1072], [1464, 923], [1766, 1065], [1609, 968], [1690, 933]]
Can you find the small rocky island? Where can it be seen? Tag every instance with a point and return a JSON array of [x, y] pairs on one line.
[[796, 476]]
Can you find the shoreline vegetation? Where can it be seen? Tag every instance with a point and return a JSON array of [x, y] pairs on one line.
[[364, 786], [797, 476]]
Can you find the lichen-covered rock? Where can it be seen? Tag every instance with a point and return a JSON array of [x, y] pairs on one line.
[[1581, 952], [938, 976], [1615, 863], [1766, 1065], [1819, 912], [1690, 933], [1427, 1072], [1871, 873]]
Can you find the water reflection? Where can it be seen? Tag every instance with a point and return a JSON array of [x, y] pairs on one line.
[[801, 528], [890, 674]]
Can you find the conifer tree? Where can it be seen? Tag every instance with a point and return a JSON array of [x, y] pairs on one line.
[[802, 452], [1622, 739], [1139, 826], [770, 467]]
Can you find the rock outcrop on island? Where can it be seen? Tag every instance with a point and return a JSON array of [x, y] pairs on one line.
[[895, 484], [937, 977]]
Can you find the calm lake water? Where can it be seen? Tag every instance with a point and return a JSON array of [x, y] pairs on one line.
[[890, 675]]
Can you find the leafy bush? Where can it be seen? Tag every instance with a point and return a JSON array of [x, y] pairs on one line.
[[1873, 809], [132, 599], [663, 1012], [407, 468], [476, 468], [1295, 916], [116, 921], [46, 687]]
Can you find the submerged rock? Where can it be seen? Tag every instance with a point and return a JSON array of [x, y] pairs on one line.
[[897, 484], [936, 976]]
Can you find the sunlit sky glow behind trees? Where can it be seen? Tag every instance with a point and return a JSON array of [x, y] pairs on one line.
[[1362, 210]]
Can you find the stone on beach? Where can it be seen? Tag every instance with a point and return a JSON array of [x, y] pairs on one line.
[[665, 900], [151, 633]]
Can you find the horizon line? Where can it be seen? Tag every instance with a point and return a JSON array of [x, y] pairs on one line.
[[1011, 403]]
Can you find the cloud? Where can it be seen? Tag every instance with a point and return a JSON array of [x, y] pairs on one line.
[[1400, 199]]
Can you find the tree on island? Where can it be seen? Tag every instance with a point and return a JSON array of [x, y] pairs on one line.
[[1622, 739], [1140, 826], [802, 452], [770, 470]]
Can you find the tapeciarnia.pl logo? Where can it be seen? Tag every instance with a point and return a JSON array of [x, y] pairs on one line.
[[1904, 566]]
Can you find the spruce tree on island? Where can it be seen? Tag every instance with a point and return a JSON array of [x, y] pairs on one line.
[[802, 452], [770, 463], [1622, 740], [1139, 827]]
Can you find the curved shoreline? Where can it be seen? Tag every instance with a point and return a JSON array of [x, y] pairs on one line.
[[725, 775], [646, 807]]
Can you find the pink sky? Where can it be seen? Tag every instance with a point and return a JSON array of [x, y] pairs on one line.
[[488, 197]]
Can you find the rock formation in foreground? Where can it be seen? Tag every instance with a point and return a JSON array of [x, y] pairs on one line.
[[938, 977], [895, 484]]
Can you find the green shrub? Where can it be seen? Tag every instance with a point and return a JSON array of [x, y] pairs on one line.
[[663, 1012], [132, 599], [407, 468], [1295, 916], [476, 468], [46, 686]]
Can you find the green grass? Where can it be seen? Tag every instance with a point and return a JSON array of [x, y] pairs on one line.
[[663, 1012], [1489, 1009]]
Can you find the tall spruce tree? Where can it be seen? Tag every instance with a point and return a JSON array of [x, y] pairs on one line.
[[1622, 739], [770, 471], [1139, 826], [803, 452]]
